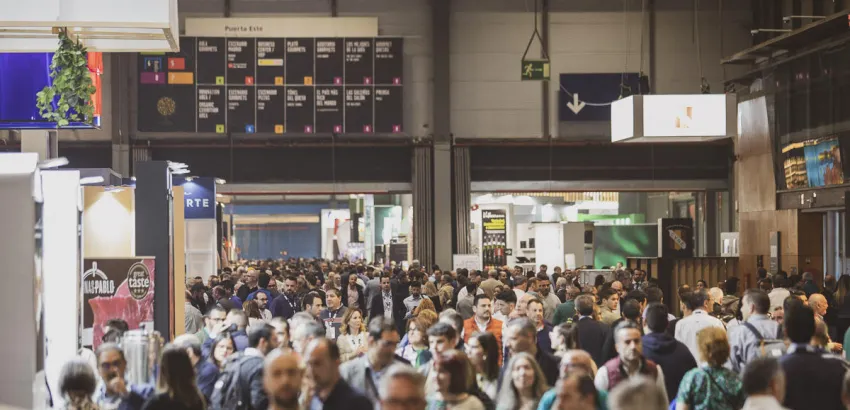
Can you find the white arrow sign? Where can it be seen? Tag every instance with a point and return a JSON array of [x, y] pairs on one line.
[[576, 106]]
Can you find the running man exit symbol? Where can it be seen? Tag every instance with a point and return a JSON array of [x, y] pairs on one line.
[[535, 70]]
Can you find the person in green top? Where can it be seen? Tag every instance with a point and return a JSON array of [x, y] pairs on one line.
[[711, 386], [566, 310], [576, 365]]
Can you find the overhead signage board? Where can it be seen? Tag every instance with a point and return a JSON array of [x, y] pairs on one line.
[[587, 97], [199, 198], [674, 118], [274, 86], [282, 27], [535, 70]]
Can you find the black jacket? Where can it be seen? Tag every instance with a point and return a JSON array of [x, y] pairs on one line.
[[163, 401], [251, 377], [672, 355], [594, 338], [344, 396], [399, 311], [817, 378]]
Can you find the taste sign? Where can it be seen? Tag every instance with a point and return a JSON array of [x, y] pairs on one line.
[[199, 194]]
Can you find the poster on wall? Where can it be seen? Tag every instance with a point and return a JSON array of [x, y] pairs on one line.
[[812, 163], [494, 241], [675, 238], [116, 288]]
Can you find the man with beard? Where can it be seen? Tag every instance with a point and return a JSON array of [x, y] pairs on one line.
[[282, 379], [250, 284], [549, 299], [286, 304], [630, 361]]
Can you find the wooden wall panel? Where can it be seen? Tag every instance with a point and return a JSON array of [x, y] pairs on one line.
[[755, 183]]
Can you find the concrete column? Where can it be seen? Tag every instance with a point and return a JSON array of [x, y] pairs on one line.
[[441, 183], [712, 224], [43, 142], [443, 226]]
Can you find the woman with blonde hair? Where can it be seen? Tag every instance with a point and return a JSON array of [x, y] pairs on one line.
[[425, 304], [711, 386], [522, 385], [352, 335], [430, 290]]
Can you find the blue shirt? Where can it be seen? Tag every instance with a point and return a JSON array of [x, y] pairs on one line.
[[136, 397]]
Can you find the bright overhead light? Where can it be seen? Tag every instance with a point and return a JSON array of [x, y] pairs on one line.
[[189, 179], [183, 171], [132, 178], [53, 163], [220, 181], [91, 180], [174, 166]]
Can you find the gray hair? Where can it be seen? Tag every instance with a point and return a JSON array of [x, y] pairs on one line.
[[523, 324], [637, 393], [299, 319], [402, 371], [77, 376], [309, 329]]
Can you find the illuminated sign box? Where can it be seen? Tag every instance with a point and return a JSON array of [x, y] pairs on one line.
[[674, 118]]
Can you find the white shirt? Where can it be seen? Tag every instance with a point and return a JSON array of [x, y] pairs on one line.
[[464, 293], [601, 380], [762, 402], [687, 329], [519, 294], [777, 297]]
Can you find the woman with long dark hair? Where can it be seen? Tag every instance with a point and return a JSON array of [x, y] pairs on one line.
[[222, 347], [176, 388], [483, 351], [523, 384], [453, 384], [564, 337]]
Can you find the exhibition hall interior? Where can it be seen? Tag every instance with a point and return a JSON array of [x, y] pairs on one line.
[[368, 204]]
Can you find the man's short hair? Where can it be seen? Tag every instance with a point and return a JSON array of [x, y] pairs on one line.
[[696, 300], [380, 324], [335, 291], [631, 309], [263, 280], [310, 277], [118, 324], [310, 329], [759, 299], [637, 295], [625, 324], [758, 374], [402, 371], [654, 295], [258, 333], [189, 341], [507, 296], [541, 277], [584, 305], [442, 329], [109, 347], [799, 323], [524, 325], [308, 299], [637, 393], [453, 317], [240, 318], [519, 280], [414, 284], [656, 317], [479, 297], [533, 300], [607, 293]]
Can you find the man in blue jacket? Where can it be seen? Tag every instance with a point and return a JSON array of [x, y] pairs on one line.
[[672, 355], [206, 373]]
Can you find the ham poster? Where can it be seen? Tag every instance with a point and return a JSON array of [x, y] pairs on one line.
[[116, 288]]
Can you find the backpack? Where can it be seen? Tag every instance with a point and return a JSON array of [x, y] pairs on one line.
[[228, 392], [767, 347]]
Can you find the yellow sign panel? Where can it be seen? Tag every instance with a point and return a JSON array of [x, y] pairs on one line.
[[270, 62], [308, 80], [219, 128], [219, 80], [181, 78], [278, 129], [278, 81]]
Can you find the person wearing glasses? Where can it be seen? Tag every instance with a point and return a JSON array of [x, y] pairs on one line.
[[116, 393]]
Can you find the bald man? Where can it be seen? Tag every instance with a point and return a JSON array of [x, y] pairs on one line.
[[574, 363], [282, 379], [819, 305], [322, 360]]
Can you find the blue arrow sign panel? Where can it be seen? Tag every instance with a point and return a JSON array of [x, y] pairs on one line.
[[580, 93]]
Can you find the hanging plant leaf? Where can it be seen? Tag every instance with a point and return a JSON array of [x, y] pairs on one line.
[[68, 98]]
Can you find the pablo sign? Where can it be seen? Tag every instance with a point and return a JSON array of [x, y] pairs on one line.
[[199, 198]]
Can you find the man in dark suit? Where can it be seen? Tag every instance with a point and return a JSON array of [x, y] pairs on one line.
[[387, 305], [352, 288], [593, 336], [331, 391]]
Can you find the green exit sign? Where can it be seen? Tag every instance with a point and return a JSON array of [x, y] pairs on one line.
[[535, 70]]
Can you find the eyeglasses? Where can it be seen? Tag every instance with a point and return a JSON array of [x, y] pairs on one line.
[[107, 366]]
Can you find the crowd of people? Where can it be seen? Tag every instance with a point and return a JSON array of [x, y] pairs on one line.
[[314, 334]]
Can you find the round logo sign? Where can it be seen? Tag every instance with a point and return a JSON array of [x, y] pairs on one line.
[[139, 281]]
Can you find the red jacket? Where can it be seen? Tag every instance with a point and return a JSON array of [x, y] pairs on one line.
[[494, 328]]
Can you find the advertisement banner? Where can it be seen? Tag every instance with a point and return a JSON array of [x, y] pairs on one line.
[[494, 241], [199, 194], [116, 288], [675, 238]]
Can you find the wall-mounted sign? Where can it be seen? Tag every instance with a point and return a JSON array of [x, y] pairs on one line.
[[775, 264], [674, 118], [535, 70], [729, 244], [585, 97], [199, 198], [675, 238], [116, 288]]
